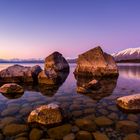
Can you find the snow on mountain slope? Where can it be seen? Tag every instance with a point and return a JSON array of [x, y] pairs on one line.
[[128, 54]]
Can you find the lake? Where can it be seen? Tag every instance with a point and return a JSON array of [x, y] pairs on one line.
[[75, 105]]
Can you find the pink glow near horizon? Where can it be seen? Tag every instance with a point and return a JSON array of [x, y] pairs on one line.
[[70, 27]]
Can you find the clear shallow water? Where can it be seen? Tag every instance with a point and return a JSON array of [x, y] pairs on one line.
[[76, 105]]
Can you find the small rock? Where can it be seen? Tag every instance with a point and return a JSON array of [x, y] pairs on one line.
[[91, 85], [83, 135], [46, 114], [129, 103], [11, 88], [70, 136], [14, 129], [100, 136], [89, 110], [103, 121], [132, 117], [7, 120], [74, 107], [132, 136], [24, 134], [60, 131], [85, 124], [77, 113], [35, 134], [88, 87], [90, 117], [127, 126], [113, 116], [21, 138]]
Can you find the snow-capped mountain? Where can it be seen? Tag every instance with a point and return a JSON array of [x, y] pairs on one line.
[[127, 54]]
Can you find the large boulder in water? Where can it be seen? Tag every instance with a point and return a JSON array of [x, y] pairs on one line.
[[46, 114], [95, 62], [129, 103], [18, 73], [56, 62], [56, 67]]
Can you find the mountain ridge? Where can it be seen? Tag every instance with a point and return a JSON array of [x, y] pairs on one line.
[[31, 60], [128, 55]]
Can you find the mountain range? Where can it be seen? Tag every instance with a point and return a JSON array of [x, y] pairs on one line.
[[32, 60], [16, 60], [128, 55]]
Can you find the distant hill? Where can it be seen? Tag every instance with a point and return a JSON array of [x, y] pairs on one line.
[[21, 60], [33, 60], [128, 55], [72, 60]]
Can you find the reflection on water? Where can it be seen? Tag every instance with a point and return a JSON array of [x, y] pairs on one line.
[[132, 72], [50, 90], [13, 95], [128, 75], [105, 88], [44, 89]]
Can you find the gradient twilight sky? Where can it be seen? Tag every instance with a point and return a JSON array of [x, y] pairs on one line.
[[36, 28]]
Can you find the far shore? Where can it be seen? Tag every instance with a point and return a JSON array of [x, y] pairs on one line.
[[69, 61]]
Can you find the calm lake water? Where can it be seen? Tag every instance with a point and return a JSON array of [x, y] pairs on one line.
[[76, 105]]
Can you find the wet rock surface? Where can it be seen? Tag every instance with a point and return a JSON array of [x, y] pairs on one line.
[[100, 136], [19, 74], [56, 62], [70, 136], [83, 135], [86, 124], [60, 131], [56, 78], [35, 134], [127, 126], [46, 115], [11, 88], [14, 129], [95, 62], [132, 136], [49, 80], [129, 103], [103, 121], [55, 71]]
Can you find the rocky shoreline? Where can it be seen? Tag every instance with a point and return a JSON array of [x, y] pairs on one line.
[[86, 118]]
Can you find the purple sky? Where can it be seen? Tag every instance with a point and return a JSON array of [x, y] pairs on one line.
[[36, 28]]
